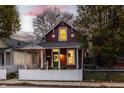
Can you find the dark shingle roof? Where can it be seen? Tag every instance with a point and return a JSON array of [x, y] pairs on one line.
[[32, 46], [16, 43], [52, 45], [4, 49]]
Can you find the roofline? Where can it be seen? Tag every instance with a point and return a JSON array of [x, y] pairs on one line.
[[9, 45], [24, 47], [62, 47], [7, 49], [55, 26], [43, 47]]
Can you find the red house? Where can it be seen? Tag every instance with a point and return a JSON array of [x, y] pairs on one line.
[[59, 56]]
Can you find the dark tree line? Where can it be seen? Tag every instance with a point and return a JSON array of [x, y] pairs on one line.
[[103, 29]]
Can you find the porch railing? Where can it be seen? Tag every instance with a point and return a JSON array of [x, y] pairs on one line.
[[2, 74], [10, 68]]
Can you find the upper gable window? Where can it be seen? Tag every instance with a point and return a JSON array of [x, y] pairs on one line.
[[63, 34]]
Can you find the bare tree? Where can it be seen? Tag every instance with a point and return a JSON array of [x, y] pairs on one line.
[[50, 16]]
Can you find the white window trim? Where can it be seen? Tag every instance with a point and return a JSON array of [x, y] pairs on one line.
[[59, 33]]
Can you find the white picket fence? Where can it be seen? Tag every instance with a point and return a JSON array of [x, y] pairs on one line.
[[57, 75], [2, 74], [4, 70]]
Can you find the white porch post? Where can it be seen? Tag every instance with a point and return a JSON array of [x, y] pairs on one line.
[[52, 57], [25, 60], [77, 58], [41, 55], [5, 59], [59, 58], [47, 65]]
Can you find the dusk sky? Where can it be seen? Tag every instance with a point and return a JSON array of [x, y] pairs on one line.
[[28, 12]]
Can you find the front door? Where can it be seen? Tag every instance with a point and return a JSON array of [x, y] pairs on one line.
[[55, 58]]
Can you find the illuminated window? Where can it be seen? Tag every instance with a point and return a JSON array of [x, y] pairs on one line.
[[62, 34], [55, 55], [71, 57], [55, 50]]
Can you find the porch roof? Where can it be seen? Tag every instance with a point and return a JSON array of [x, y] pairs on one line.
[[4, 49], [61, 45], [32, 46], [52, 45]]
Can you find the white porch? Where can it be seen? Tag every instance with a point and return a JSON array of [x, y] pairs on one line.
[[9, 68], [43, 72], [6, 70], [6, 62], [49, 64]]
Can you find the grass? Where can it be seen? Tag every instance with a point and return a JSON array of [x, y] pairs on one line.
[[117, 77], [113, 76], [94, 76], [11, 76]]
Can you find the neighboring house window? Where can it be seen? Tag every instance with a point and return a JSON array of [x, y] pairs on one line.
[[18, 43], [63, 34]]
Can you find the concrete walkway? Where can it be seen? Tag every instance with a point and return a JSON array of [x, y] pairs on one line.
[[17, 83]]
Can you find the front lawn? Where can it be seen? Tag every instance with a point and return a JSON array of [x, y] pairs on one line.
[[102, 76]]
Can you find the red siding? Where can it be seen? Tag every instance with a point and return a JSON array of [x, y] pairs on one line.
[[69, 32], [80, 58]]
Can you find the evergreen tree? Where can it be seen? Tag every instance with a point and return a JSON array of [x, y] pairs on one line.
[[105, 25], [9, 20]]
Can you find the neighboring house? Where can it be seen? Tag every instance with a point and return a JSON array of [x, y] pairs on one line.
[[10, 55], [58, 57]]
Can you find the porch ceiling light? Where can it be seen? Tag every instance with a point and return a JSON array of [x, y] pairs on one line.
[[53, 35], [72, 35]]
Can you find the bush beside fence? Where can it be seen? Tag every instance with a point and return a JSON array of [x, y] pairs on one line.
[[93, 71]]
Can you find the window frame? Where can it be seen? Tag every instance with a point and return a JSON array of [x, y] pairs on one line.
[[59, 33]]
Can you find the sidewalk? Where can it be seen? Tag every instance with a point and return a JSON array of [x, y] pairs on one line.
[[16, 82]]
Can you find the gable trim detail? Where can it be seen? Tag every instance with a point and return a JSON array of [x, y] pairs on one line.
[[55, 26]]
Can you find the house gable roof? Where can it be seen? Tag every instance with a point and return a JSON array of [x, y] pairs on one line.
[[14, 43], [56, 26]]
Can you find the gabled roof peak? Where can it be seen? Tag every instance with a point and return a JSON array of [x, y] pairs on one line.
[[69, 24]]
